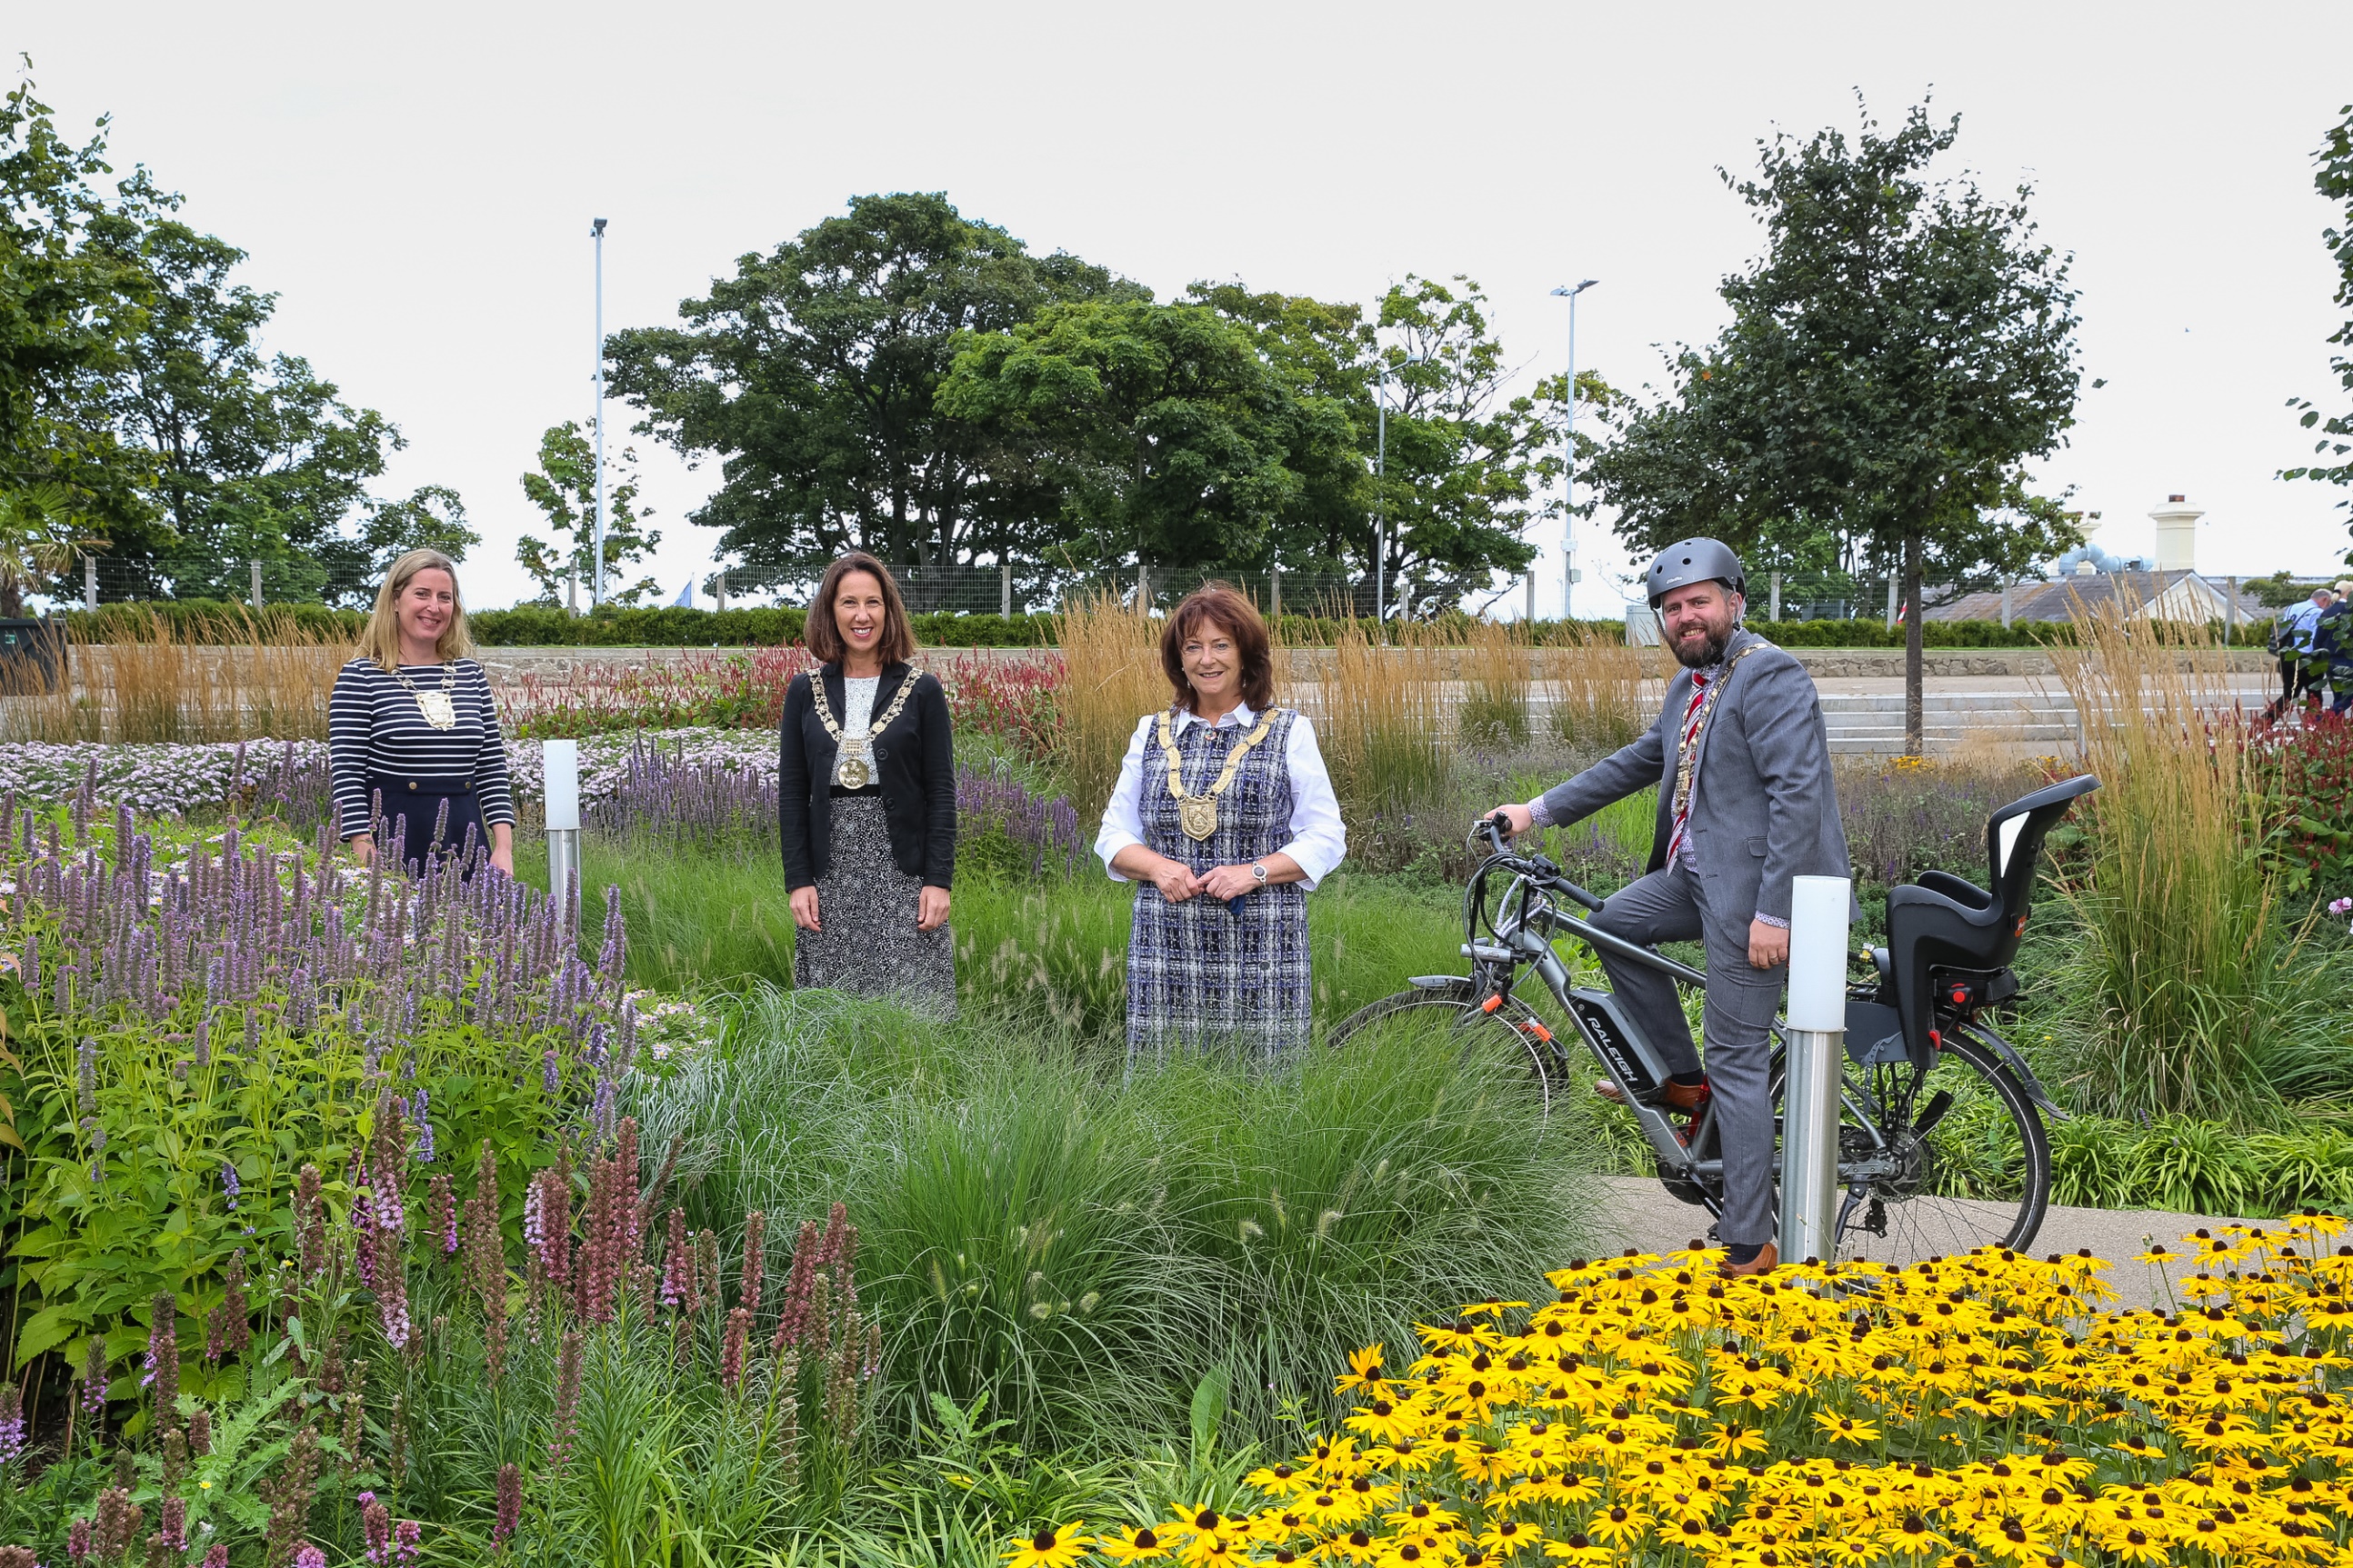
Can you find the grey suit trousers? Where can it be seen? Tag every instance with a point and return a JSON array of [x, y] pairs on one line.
[[1736, 1024]]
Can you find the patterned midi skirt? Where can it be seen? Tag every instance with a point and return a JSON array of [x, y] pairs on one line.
[[870, 946]]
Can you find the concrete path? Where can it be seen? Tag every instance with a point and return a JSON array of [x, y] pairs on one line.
[[1637, 1212]]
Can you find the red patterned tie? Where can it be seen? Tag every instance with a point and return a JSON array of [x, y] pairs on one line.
[[1690, 732]]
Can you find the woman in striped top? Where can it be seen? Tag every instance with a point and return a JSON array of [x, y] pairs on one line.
[[412, 732]]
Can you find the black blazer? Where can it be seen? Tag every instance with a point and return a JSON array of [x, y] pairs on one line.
[[915, 762]]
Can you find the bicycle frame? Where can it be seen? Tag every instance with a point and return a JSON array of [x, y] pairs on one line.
[[1523, 937]]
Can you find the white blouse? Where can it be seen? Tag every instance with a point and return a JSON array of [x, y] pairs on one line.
[[1318, 842]]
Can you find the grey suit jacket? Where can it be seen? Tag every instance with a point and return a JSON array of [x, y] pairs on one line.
[[1766, 810]]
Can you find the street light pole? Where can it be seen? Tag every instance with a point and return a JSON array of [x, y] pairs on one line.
[[1380, 496], [597, 555], [1568, 516]]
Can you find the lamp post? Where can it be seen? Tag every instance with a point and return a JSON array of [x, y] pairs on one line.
[[1380, 486], [1568, 469], [596, 555]]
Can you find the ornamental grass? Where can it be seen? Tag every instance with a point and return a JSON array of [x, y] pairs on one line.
[[1599, 688], [2190, 988], [1112, 676], [1978, 1409], [236, 675], [1381, 722]]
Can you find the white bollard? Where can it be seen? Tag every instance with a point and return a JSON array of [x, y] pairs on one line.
[[1816, 1037], [561, 765]]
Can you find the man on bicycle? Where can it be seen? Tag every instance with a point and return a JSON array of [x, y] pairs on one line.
[[1745, 805]]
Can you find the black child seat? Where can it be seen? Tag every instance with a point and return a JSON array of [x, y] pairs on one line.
[[1950, 942]]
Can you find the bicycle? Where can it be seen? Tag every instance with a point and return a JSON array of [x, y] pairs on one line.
[[1942, 1144]]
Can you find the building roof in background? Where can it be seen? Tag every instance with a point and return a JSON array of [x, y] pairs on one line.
[[2055, 600]]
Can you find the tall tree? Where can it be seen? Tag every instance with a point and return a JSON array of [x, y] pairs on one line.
[[563, 487], [2334, 179], [1894, 360], [1469, 470], [67, 310], [431, 517], [257, 458], [1321, 352], [813, 376], [1161, 428], [131, 377]]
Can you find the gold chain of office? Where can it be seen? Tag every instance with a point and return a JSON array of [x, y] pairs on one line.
[[855, 769], [1197, 813]]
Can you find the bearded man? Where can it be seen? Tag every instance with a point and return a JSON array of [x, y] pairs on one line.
[[1746, 805]]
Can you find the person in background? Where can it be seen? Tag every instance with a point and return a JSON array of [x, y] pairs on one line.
[[866, 800], [2291, 643], [413, 736], [1225, 818], [2332, 646]]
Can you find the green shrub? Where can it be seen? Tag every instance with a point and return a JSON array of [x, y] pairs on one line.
[[2193, 1166], [1077, 1237]]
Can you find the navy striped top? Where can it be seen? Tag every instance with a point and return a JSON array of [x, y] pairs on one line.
[[376, 729]]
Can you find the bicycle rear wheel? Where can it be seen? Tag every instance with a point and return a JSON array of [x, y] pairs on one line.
[[1510, 1040], [1961, 1158]]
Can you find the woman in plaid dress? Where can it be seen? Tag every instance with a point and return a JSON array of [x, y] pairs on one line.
[[1224, 860]]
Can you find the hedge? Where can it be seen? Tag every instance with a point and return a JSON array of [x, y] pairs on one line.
[[532, 625]]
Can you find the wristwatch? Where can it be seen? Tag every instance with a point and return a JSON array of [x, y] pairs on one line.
[[1258, 872]]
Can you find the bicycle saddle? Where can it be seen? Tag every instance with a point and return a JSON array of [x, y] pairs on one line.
[[1942, 922]]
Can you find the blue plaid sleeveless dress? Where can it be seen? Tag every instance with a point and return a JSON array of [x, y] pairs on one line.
[[1198, 972]]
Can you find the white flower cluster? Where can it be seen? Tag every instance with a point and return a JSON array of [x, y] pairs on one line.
[[603, 759], [672, 1030], [166, 781], [154, 780]]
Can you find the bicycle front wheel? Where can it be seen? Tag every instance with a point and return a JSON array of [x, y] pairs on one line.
[[1954, 1158], [1510, 1039]]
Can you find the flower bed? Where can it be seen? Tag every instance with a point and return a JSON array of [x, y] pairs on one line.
[[1965, 1410]]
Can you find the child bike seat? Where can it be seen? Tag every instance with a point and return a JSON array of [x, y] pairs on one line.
[[1942, 922]]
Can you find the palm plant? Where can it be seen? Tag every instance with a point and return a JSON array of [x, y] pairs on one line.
[[41, 533]]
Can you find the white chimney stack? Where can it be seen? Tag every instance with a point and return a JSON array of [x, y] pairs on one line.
[[2177, 535]]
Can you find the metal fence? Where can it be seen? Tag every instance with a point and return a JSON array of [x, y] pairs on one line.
[[1015, 589]]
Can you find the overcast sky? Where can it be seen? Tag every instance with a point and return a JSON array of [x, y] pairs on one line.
[[418, 183]]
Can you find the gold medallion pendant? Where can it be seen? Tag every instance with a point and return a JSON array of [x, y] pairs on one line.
[[1197, 813], [856, 771], [439, 710]]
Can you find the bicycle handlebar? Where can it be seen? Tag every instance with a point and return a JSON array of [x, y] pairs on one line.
[[1496, 831]]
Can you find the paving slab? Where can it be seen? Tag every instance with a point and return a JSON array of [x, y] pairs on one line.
[[1637, 1212]]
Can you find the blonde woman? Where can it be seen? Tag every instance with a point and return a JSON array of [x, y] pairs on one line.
[[413, 738]]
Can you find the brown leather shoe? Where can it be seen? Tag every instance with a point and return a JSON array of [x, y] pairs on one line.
[[1761, 1264], [1677, 1096]]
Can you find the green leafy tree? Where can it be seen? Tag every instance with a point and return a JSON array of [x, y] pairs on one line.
[[1160, 428], [813, 376], [1469, 470], [431, 517], [255, 456], [2334, 179], [563, 487], [67, 310], [1901, 351], [1321, 354]]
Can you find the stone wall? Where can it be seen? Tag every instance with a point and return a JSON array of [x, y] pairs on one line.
[[563, 664]]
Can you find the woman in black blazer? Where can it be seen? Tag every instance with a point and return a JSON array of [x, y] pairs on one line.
[[866, 798]]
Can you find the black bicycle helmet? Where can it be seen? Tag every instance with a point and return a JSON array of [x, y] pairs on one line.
[[1689, 561]]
